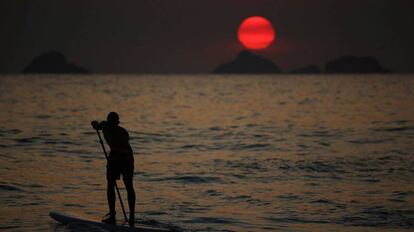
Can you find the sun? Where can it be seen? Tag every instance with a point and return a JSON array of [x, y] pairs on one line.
[[256, 33]]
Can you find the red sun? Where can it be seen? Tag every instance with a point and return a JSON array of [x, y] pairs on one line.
[[256, 33]]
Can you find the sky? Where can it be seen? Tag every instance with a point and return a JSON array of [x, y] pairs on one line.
[[194, 36]]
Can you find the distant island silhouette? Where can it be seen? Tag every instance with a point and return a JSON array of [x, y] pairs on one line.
[[247, 62], [52, 62], [311, 69], [352, 64]]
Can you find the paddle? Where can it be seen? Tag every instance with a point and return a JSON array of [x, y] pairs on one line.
[[116, 186]]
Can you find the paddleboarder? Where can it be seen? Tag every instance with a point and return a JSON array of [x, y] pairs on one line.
[[120, 162]]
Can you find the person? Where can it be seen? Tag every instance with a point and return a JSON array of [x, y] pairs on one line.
[[120, 161]]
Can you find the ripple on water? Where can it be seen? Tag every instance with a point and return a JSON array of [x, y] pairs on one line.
[[70, 187], [394, 129], [380, 216], [9, 187], [364, 141], [314, 166], [212, 193], [5, 131], [26, 141], [9, 227], [155, 213], [188, 207], [400, 197], [42, 116], [289, 196], [212, 220], [296, 219], [252, 147], [35, 185], [188, 179], [198, 147], [74, 205]]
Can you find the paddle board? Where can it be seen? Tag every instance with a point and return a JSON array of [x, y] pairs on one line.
[[71, 219]]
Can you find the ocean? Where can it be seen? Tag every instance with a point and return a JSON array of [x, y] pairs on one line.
[[213, 152]]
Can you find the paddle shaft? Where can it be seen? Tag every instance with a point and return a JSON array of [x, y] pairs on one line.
[[116, 186]]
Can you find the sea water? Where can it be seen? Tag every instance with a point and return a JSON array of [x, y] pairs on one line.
[[213, 152]]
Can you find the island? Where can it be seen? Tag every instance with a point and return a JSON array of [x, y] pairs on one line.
[[311, 69], [247, 63], [52, 62], [352, 64]]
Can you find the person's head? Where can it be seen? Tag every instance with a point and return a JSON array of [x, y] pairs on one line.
[[113, 118]]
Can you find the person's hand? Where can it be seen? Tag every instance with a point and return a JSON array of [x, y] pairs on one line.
[[96, 125]]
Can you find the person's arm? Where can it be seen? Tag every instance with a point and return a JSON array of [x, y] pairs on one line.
[[99, 125], [96, 125], [104, 124], [107, 135]]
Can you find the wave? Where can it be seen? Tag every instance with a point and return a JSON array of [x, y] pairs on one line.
[[212, 220], [8, 187], [394, 129], [190, 179], [380, 217]]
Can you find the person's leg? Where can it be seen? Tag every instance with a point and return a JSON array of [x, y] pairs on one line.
[[110, 194], [127, 176], [131, 196]]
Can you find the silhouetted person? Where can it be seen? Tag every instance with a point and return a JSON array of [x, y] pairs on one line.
[[120, 161]]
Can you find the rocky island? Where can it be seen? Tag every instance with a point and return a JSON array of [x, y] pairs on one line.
[[52, 62], [352, 64], [247, 62]]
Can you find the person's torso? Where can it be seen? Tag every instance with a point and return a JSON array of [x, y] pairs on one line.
[[118, 140]]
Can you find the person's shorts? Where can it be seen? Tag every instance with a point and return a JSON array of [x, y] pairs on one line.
[[116, 168]]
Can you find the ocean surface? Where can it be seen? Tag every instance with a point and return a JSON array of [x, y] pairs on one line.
[[214, 153]]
